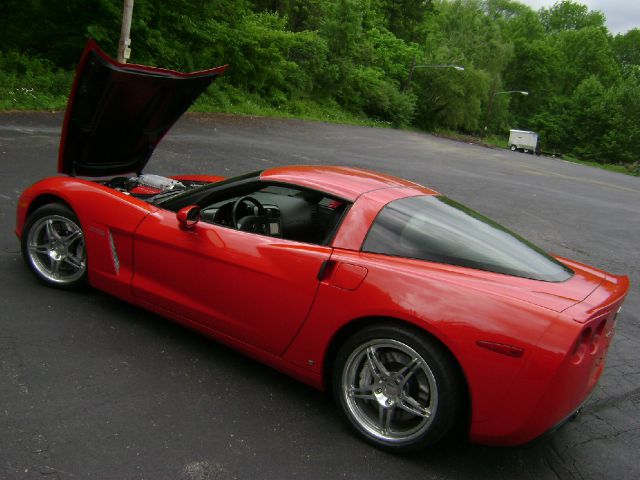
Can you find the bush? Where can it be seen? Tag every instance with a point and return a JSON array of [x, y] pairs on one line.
[[31, 83]]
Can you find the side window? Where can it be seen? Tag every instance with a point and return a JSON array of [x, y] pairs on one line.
[[277, 211], [437, 229]]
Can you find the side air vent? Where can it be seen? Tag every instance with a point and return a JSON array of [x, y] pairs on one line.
[[114, 254]]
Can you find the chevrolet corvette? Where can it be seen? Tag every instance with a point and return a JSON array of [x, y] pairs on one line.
[[419, 315]]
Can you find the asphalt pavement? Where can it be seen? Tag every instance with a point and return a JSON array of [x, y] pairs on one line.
[[93, 388]]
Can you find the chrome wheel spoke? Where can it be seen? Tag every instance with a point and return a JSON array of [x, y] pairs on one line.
[[377, 368], [409, 370], [41, 249], [381, 411], [72, 237], [55, 267], [52, 234], [411, 405], [74, 262], [387, 418]]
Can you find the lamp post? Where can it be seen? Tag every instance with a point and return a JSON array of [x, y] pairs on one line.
[[490, 105], [414, 66]]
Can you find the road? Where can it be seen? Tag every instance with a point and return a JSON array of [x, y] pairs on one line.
[[91, 387]]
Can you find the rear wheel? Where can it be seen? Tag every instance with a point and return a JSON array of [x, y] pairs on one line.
[[513, 148], [53, 246], [398, 387]]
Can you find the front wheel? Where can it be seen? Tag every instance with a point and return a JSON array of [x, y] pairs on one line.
[[53, 246], [513, 148], [398, 387]]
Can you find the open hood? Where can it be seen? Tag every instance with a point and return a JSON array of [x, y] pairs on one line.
[[117, 113]]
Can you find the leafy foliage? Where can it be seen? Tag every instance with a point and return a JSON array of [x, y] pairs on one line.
[[28, 83], [385, 60]]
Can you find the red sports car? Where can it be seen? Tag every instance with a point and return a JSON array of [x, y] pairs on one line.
[[417, 313]]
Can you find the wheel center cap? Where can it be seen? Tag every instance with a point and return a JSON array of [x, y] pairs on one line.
[[387, 393], [391, 390], [58, 251]]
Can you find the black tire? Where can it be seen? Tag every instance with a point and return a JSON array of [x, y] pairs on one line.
[[414, 399], [513, 148], [53, 247]]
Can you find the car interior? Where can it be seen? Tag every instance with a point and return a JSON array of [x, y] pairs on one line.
[[268, 209]]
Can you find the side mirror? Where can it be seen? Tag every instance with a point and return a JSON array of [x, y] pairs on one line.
[[188, 217]]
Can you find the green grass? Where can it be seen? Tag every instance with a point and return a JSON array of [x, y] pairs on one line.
[[233, 101], [631, 169]]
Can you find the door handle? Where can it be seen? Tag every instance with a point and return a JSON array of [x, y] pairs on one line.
[[347, 276], [326, 268]]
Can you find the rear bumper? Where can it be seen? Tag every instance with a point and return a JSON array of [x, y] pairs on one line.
[[569, 418], [562, 374]]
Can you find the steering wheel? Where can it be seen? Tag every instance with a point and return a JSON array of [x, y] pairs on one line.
[[249, 223]]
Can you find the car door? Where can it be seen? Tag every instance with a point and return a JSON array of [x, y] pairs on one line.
[[255, 288]]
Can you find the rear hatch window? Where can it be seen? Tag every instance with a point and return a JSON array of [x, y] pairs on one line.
[[438, 229]]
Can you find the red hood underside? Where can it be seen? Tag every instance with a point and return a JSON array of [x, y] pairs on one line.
[[118, 113]]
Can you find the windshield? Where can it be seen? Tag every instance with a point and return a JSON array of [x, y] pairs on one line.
[[437, 229], [174, 200]]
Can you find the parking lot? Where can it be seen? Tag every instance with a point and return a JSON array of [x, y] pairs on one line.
[[92, 387]]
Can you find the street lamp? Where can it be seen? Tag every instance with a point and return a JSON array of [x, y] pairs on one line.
[[414, 66], [490, 105], [522, 92]]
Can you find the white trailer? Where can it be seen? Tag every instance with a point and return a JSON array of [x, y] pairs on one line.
[[523, 140]]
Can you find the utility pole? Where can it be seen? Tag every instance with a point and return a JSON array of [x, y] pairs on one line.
[[489, 109], [410, 77], [124, 50]]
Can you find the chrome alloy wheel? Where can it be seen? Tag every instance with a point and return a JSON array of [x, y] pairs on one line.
[[55, 246], [390, 391]]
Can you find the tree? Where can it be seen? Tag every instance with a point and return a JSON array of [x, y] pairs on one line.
[[590, 119], [586, 52], [404, 18], [621, 141], [627, 48], [568, 15]]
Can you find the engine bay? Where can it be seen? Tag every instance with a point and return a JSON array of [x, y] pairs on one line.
[[148, 185]]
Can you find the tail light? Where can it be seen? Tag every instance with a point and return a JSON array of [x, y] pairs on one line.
[[590, 339], [597, 335], [582, 345]]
